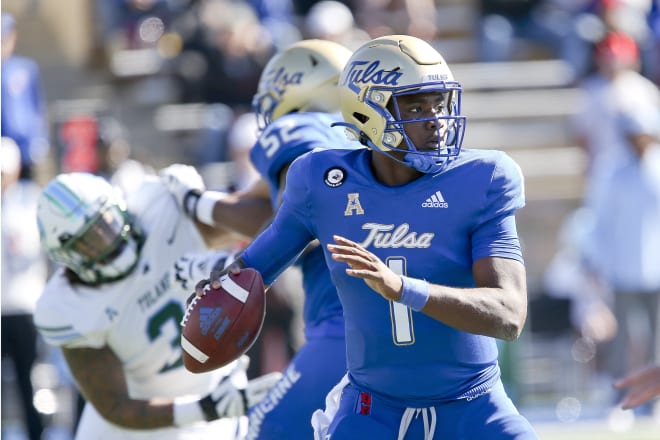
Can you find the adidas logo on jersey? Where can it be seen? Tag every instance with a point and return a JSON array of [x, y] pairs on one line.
[[206, 317], [435, 201]]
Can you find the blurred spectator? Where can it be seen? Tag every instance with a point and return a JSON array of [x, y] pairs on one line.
[[242, 136], [654, 24], [224, 161], [279, 19], [115, 160], [386, 17], [24, 273], [633, 17], [569, 276], [334, 21], [99, 144], [503, 22], [616, 88], [562, 29], [24, 117], [134, 24], [222, 60], [626, 243]]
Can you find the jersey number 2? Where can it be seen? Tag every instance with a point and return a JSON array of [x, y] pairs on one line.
[[403, 332], [169, 316]]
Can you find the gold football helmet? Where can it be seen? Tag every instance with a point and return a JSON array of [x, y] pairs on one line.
[[301, 78], [388, 67]]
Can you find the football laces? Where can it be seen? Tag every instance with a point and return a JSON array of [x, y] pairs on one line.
[[192, 304]]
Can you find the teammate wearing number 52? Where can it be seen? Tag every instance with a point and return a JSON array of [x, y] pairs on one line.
[[115, 308], [296, 103], [421, 242]]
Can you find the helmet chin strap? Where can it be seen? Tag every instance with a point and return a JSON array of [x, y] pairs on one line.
[[421, 162]]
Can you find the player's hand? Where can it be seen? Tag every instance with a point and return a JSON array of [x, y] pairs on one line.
[[641, 387], [232, 398], [363, 264], [190, 268], [184, 182], [216, 273]]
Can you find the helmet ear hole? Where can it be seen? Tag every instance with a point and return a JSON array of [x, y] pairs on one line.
[[361, 117]]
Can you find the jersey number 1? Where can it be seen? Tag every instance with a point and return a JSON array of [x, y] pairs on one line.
[[403, 332]]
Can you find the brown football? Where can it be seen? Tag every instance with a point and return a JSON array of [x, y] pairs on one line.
[[224, 323]]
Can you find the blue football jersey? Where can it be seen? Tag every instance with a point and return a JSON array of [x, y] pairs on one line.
[[433, 228], [281, 142], [288, 137], [321, 362]]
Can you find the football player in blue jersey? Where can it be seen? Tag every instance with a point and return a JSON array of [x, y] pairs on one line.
[[420, 238], [296, 103]]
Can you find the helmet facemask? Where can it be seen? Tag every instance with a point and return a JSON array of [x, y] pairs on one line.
[[449, 127], [264, 105], [104, 250], [91, 234], [380, 74]]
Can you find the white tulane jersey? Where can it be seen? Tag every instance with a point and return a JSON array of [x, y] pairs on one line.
[[138, 317]]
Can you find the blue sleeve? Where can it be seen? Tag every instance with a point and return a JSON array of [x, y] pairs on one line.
[[495, 234], [284, 140], [278, 246]]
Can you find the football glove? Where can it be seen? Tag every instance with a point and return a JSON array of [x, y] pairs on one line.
[[185, 184], [190, 268], [231, 398]]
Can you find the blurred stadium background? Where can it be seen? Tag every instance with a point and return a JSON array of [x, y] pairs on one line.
[[154, 85]]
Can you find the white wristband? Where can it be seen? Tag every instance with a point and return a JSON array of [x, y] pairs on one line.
[[206, 204], [186, 411]]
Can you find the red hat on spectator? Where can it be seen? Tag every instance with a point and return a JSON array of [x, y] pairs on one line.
[[618, 46], [609, 4]]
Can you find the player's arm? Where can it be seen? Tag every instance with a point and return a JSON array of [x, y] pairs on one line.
[[217, 212], [101, 380], [282, 241], [640, 386], [496, 307], [244, 212]]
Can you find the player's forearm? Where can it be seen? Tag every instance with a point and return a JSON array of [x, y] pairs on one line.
[[487, 311], [496, 307], [139, 414], [243, 215], [100, 378]]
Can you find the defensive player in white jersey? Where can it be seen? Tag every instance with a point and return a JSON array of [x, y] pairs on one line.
[[421, 243], [115, 307], [296, 103]]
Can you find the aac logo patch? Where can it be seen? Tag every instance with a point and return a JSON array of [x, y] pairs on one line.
[[334, 177]]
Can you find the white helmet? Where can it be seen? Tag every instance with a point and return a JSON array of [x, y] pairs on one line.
[[386, 68], [84, 225], [301, 78]]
